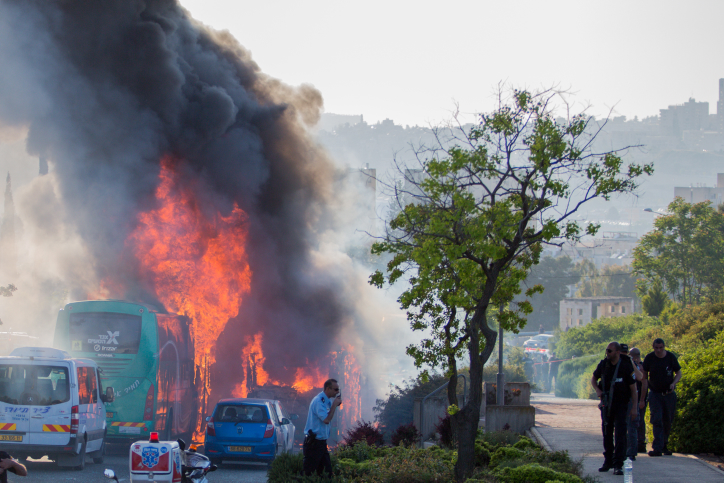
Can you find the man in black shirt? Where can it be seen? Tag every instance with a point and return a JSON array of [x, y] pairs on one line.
[[663, 372], [618, 386]]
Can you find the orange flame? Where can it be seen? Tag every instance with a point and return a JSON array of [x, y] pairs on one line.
[[198, 265]]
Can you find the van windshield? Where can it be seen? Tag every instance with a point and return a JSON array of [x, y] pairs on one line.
[[33, 385], [244, 413], [105, 332]]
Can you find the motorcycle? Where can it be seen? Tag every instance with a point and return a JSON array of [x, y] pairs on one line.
[[194, 466]]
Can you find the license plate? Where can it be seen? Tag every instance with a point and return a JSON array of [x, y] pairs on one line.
[[109, 415], [10, 437], [240, 449]]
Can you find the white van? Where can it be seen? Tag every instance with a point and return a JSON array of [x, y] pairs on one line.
[[52, 405]]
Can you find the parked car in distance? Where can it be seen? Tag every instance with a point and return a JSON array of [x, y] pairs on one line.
[[244, 429]]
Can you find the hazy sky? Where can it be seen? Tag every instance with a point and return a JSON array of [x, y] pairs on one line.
[[411, 61]]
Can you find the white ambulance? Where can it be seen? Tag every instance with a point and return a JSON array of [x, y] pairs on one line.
[[52, 405]]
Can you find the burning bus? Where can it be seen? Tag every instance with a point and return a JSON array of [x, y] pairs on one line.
[[146, 355]]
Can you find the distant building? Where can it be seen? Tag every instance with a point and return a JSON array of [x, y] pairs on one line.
[[608, 248], [720, 107], [698, 194], [690, 116], [577, 312]]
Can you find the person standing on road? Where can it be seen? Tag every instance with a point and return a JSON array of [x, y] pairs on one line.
[[663, 372], [642, 388], [10, 465], [316, 431], [632, 424], [617, 388]]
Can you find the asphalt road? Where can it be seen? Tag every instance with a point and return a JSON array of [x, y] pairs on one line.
[[46, 471]]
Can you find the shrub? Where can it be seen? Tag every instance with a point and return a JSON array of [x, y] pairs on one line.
[[358, 452], [584, 390], [570, 372], [698, 424], [534, 473], [406, 434], [482, 454], [505, 453], [363, 431], [407, 465], [445, 430], [288, 467], [525, 442], [497, 439]]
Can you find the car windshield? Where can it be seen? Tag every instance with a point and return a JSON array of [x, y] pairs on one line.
[[245, 413], [33, 385]]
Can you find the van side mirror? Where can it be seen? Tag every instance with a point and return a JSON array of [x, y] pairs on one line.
[[285, 421], [208, 418], [181, 444], [109, 396]]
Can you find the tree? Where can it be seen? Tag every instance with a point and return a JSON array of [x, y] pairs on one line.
[[554, 274], [477, 223], [685, 252], [654, 301]]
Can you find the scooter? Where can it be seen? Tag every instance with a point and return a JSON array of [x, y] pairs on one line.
[[194, 466]]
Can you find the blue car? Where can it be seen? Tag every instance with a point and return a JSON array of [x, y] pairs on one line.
[[245, 430]]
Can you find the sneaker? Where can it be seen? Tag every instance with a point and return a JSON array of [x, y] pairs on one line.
[[618, 471], [654, 453], [604, 468]]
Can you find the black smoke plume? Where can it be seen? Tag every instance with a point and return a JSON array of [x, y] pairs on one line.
[[107, 88]]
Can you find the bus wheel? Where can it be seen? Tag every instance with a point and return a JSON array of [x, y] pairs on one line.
[[81, 466], [98, 455]]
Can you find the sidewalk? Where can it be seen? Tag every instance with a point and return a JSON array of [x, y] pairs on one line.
[[575, 425]]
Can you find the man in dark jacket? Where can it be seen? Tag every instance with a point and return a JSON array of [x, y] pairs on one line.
[[663, 372], [617, 388]]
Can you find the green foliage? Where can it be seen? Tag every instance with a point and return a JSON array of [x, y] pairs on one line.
[[655, 300], [700, 399], [534, 473], [569, 373], [482, 454], [524, 443], [594, 337], [612, 281], [505, 453], [497, 439], [685, 252], [584, 390], [481, 215]]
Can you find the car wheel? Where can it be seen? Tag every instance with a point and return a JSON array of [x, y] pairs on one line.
[[100, 453], [81, 466]]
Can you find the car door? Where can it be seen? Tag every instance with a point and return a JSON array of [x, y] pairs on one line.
[[96, 431], [86, 405], [50, 417], [14, 417]]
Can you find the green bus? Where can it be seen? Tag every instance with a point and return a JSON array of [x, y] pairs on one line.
[[146, 355]]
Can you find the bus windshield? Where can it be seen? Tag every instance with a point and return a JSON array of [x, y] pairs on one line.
[[105, 332], [33, 385]]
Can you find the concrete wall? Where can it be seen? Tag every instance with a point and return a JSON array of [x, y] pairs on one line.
[[514, 418]]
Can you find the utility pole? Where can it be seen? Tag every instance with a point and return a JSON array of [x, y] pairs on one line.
[[500, 391]]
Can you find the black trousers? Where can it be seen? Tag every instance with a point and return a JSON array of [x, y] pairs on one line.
[[614, 435], [316, 458]]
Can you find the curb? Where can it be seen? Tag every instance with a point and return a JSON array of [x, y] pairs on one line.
[[541, 441], [705, 463]]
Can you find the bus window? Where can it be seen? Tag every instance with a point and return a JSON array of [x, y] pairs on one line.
[[105, 332]]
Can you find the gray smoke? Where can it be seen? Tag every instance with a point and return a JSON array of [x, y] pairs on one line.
[[106, 88]]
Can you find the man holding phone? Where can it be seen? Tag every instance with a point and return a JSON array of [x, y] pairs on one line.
[[316, 431]]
